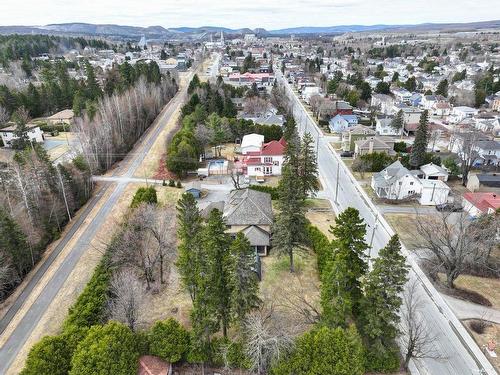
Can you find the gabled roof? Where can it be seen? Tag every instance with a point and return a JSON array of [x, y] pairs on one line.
[[433, 169], [378, 144], [257, 236], [273, 148], [391, 174], [360, 129], [483, 201], [248, 207]]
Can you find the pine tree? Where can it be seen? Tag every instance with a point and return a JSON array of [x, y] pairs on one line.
[[308, 166], [190, 258], [417, 157], [442, 88], [341, 293], [397, 122], [289, 229], [244, 282], [383, 287], [14, 244], [216, 247]]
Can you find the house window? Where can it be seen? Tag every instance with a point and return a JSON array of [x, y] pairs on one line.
[[261, 250], [276, 163], [400, 183], [268, 159], [257, 169], [411, 183]]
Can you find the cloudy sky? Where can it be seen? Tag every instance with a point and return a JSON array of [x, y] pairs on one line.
[[270, 14]]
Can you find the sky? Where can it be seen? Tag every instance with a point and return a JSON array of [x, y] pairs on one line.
[[269, 14]]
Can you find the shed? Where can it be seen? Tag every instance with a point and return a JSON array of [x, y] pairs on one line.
[[151, 365], [194, 188]]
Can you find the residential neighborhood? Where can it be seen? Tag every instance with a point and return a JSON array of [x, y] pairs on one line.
[[253, 197]]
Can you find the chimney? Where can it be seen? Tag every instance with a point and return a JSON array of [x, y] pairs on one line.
[[370, 147]]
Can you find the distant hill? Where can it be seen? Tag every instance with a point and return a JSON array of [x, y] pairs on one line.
[[159, 32]]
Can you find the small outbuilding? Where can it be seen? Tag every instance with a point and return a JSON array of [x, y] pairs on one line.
[[194, 188]]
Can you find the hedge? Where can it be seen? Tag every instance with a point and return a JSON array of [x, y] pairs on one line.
[[266, 189], [320, 244], [169, 340]]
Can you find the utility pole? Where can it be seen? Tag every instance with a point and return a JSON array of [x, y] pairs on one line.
[[337, 184], [371, 239], [64, 192]]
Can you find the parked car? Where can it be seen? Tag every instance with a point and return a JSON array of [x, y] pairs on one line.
[[347, 154], [450, 207]]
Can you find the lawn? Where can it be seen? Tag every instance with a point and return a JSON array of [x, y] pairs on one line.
[[284, 290], [405, 226], [321, 215], [491, 333], [488, 287]]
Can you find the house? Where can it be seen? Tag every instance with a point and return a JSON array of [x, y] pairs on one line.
[[415, 100], [477, 204], [63, 117], [374, 144], [309, 91], [151, 365], [267, 161], [357, 132], [342, 108], [340, 123], [383, 127], [194, 188], [483, 182], [250, 212], [402, 95], [268, 118], [251, 143], [461, 113], [395, 182], [441, 108], [433, 192], [383, 102], [488, 152], [33, 131], [433, 172]]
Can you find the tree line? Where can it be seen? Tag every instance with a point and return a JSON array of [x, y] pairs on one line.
[[38, 200]]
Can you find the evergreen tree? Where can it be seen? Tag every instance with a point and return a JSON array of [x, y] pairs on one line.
[[308, 166], [14, 244], [419, 149], [195, 82], [93, 90], [216, 246], [189, 261], [442, 88], [383, 287], [289, 229], [341, 292], [21, 140], [244, 282], [397, 122]]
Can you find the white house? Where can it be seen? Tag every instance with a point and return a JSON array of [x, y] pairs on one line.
[[251, 143], [395, 182], [339, 123], [267, 161], [34, 133], [383, 127], [461, 113], [488, 152], [309, 92], [402, 95]]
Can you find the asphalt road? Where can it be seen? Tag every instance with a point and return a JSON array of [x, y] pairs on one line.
[[128, 167], [458, 353]]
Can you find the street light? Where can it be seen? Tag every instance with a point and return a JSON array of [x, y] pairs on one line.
[[373, 235]]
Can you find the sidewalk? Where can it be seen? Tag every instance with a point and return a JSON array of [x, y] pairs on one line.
[[469, 310]]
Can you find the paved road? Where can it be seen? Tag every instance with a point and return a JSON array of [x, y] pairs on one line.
[[469, 310], [128, 167], [463, 357]]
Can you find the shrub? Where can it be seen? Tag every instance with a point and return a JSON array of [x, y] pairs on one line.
[[179, 185], [479, 325], [400, 146], [266, 189], [470, 295], [320, 244], [382, 359], [228, 353], [50, 356], [169, 340], [144, 195], [80, 163], [374, 162], [108, 349], [171, 183]]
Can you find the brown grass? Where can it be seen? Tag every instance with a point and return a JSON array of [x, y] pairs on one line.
[[404, 225], [487, 287], [490, 333]]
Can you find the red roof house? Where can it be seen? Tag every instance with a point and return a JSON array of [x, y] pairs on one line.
[[268, 161], [481, 203]]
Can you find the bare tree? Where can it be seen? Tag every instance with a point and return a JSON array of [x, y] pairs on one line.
[[4, 116], [268, 337], [256, 106], [454, 242], [466, 143], [300, 302], [127, 296], [416, 339]]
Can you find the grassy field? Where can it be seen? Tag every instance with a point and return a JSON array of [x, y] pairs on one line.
[[404, 225], [488, 287]]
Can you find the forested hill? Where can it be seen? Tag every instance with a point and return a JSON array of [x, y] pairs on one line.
[[19, 47]]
